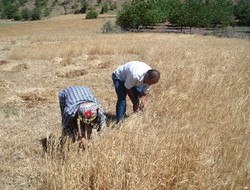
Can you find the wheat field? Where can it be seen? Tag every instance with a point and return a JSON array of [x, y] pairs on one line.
[[194, 134]]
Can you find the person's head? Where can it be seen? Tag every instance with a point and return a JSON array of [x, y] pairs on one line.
[[152, 76], [89, 115]]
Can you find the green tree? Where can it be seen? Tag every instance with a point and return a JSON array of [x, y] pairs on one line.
[[221, 12], [166, 7], [189, 13], [150, 17], [10, 10], [127, 17], [193, 13], [242, 12], [177, 16], [139, 13]]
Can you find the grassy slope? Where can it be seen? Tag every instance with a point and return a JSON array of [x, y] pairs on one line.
[[194, 134]]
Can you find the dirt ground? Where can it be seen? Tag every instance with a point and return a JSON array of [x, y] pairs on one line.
[[228, 32]]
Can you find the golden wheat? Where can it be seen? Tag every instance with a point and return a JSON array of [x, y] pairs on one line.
[[194, 133]]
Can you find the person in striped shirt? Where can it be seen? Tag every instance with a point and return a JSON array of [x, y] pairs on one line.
[[78, 104]]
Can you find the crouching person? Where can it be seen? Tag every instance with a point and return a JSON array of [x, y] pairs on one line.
[[81, 112]]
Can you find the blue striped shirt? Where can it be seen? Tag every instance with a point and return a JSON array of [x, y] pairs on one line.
[[70, 98]]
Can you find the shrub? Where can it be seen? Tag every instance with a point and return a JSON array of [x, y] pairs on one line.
[[41, 3], [77, 11], [22, 2], [113, 6], [92, 14], [84, 8], [26, 14], [17, 16], [105, 8], [36, 14], [46, 12], [108, 27]]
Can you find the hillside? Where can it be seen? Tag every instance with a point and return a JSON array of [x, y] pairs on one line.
[[194, 133], [51, 8]]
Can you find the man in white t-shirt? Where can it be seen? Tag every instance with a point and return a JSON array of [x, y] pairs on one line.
[[134, 78]]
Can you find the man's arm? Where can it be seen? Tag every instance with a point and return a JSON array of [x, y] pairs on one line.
[[142, 100], [143, 96], [133, 99]]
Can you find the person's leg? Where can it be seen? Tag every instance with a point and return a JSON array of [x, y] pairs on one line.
[[121, 98], [71, 129]]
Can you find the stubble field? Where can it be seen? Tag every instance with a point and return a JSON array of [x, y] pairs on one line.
[[194, 133]]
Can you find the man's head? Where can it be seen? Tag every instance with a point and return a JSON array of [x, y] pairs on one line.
[[89, 112], [88, 117], [152, 77]]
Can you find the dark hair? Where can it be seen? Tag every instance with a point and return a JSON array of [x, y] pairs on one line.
[[153, 74]]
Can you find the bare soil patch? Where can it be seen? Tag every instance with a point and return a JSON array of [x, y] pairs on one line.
[[3, 62], [76, 72]]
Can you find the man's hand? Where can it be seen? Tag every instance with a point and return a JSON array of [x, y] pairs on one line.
[[83, 141], [143, 101]]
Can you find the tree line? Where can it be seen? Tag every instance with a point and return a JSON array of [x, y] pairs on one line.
[[136, 14], [15, 9], [35, 10], [184, 13]]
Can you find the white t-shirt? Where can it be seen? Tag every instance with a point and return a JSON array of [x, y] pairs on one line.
[[132, 74]]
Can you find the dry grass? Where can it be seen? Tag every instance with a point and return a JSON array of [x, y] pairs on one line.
[[194, 134]]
